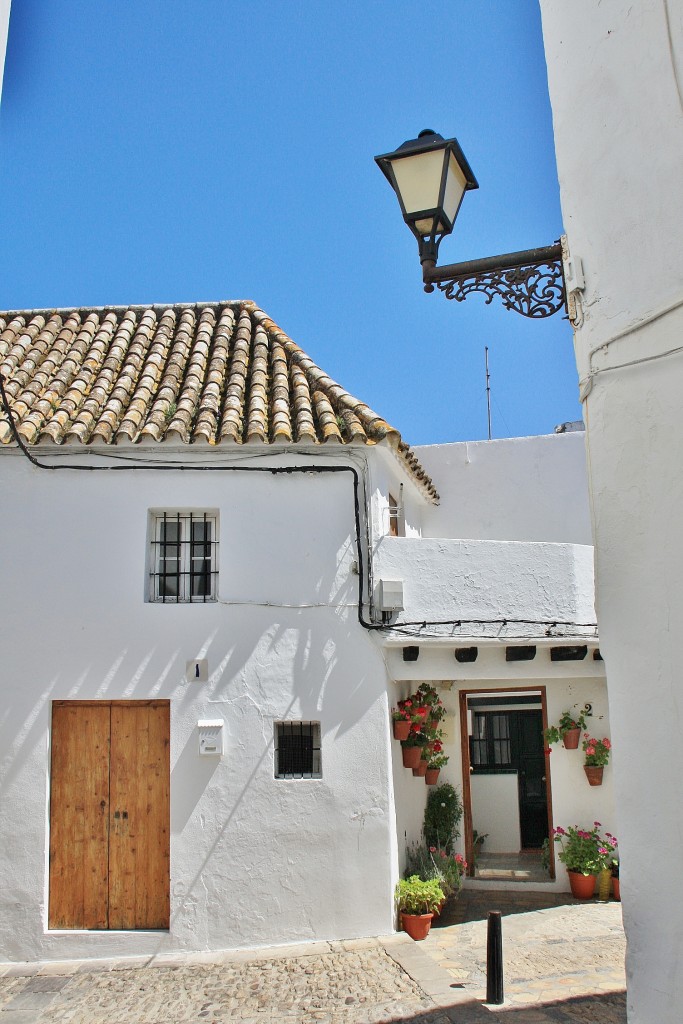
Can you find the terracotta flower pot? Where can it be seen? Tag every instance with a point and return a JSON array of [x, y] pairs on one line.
[[417, 925], [594, 774], [432, 776], [570, 739], [421, 768], [401, 729], [582, 886], [615, 889], [411, 756]]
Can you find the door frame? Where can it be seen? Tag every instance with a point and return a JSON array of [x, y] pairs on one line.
[[463, 695], [105, 702]]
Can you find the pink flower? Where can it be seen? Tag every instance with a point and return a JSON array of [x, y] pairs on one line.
[[432, 849], [590, 751], [607, 743], [602, 849], [598, 824]]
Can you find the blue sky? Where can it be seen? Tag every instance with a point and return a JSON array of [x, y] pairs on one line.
[[169, 151]]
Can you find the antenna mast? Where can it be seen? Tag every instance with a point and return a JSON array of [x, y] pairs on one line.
[[488, 387]]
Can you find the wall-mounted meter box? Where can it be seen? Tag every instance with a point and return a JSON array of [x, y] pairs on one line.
[[211, 732], [390, 595]]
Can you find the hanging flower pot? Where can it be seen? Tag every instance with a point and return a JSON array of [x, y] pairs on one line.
[[401, 729], [582, 886], [594, 774], [411, 756], [570, 739], [421, 768], [417, 925], [432, 776]]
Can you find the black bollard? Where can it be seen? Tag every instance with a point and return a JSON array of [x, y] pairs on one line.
[[494, 959]]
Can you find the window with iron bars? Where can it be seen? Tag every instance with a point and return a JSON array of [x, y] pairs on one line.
[[184, 557], [297, 750]]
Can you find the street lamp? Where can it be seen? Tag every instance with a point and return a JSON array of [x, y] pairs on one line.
[[430, 176]]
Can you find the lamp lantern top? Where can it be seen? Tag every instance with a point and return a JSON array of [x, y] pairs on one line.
[[430, 176]]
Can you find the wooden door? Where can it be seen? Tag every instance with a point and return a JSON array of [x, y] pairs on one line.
[[109, 815]]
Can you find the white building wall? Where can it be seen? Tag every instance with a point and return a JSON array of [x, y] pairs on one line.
[[615, 73], [254, 860], [482, 579], [517, 488]]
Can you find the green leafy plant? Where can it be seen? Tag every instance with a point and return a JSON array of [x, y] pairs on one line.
[[568, 720], [585, 850], [442, 816], [435, 864], [597, 751], [417, 897], [427, 696], [437, 759]]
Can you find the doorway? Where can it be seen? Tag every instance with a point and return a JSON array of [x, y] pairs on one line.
[[109, 815], [506, 783]]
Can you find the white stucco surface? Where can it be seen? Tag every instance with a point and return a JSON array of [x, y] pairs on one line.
[[516, 488], [4, 29], [615, 73], [254, 860], [488, 579], [495, 811]]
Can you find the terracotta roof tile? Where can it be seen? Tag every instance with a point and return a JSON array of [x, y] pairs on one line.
[[216, 373]]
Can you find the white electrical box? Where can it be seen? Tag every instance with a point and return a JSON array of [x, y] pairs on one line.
[[210, 737], [390, 595]]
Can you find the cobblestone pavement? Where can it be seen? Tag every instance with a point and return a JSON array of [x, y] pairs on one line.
[[562, 964], [562, 958]]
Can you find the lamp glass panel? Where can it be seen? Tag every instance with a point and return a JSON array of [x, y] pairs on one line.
[[455, 187], [418, 178]]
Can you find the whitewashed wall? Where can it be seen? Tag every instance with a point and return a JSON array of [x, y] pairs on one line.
[[516, 488], [254, 860], [615, 73], [489, 579]]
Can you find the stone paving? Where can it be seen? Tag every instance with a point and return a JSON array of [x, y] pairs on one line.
[[563, 963]]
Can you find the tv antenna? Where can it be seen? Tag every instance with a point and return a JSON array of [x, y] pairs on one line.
[[488, 387]]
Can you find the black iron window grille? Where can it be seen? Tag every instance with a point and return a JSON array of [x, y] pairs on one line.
[[297, 750], [184, 557]]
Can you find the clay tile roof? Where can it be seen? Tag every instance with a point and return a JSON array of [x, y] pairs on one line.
[[215, 373]]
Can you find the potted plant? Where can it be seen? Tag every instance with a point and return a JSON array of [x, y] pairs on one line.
[[568, 729], [435, 762], [413, 746], [597, 755], [420, 771], [417, 902], [442, 817], [402, 718], [427, 696], [584, 853]]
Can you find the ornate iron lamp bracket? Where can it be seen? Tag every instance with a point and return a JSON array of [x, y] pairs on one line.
[[530, 282]]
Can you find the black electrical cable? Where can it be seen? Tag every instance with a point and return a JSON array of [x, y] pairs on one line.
[[273, 470], [284, 470]]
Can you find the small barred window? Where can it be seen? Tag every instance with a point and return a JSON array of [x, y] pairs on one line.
[[297, 750], [184, 560]]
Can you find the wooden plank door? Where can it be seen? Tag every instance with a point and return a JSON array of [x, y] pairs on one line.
[[109, 815], [79, 816], [139, 816]]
